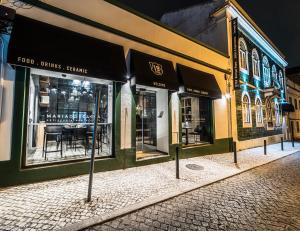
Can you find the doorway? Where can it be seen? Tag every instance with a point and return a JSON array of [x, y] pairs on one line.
[[150, 114]]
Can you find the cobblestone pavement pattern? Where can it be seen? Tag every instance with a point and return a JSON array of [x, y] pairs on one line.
[[57, 204], [266, 198]]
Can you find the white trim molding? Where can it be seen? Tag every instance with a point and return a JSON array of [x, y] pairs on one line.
[[250, 29]]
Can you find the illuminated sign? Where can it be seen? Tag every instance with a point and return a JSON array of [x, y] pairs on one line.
[[235, 54], [156, 68]]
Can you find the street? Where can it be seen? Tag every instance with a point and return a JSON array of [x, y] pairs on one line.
[[265, 198]]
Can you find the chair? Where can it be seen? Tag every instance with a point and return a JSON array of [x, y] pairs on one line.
[[68, 136], [52, 133], [197, 133], [79, 135], [89, 135]]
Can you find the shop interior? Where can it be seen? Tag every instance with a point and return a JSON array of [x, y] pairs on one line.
[[196, 120], [151, 122], [61, 109]]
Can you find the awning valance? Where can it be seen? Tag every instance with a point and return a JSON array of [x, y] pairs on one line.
[[198, 83], [44, 46], [152, 71], [287, 107]]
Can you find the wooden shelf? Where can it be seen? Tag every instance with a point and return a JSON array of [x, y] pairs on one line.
[[44, 104], [44, 93]]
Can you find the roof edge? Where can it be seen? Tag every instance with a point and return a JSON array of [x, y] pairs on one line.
[[252, 22]]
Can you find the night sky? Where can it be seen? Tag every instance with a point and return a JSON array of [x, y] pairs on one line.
[[278, 19]]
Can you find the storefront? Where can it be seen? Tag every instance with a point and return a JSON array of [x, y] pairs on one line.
[[197, 92], [155, 95], [154, 79], [62, 87]]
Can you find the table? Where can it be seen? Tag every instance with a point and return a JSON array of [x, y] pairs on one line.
[[187, 134]]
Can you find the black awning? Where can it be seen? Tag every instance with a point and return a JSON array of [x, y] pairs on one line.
[[287, 107], [198, 83], [41, 45], [152, 71]]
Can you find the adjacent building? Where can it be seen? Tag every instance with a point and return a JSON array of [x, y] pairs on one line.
[[293, 96], [257, 83]]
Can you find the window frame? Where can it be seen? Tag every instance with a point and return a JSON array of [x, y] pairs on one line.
[[243, 53], [266, 72], [246, 110], [259, 112], [255, 64], [274, 75], [277, 114], [54, 74], [281, 79], [269, 114]]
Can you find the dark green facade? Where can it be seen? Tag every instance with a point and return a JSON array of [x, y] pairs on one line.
[[255, 88]]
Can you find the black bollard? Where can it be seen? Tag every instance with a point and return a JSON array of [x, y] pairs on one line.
[[281, 143], [293, 138], [234, 153], [265, 147], [177, 162]]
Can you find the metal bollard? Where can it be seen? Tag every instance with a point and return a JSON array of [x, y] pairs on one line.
[[265, 147], [234, 153], [177, 162], [281, 143]]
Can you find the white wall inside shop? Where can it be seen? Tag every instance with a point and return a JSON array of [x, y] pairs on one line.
[[126, 112], [175, 117], [162, 122], [110, 104], [7, 112]]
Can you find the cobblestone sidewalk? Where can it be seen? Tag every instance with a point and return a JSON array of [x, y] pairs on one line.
[[60, 204], [266, 198]]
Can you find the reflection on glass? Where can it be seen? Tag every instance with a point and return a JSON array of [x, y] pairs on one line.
[[196, 120], [146, 121], [61, 115]]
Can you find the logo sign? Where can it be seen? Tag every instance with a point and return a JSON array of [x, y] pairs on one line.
[[235, 53], [156, 68]]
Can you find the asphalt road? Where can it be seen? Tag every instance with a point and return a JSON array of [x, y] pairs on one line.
[[265, 198]]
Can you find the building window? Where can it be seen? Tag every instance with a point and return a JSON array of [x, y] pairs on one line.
[[281, 80], [61, 112], [277, 114], [196, 120], [269, 113], [255, 64], [290, 100], [296, 104], [246, 110], [266, 72], [258, 112], [274, 76], [243, 56], [298, 128]]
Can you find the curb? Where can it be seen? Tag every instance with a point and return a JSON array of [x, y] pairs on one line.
[[97, 220]]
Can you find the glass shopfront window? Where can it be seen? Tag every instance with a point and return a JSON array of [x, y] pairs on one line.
[[196, 120], [61, 111]]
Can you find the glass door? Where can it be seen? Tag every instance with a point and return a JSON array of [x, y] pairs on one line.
[[146, 114]]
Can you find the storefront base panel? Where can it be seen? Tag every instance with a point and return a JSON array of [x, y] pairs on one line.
[[241, 145], [219, 146], [11, 175]]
